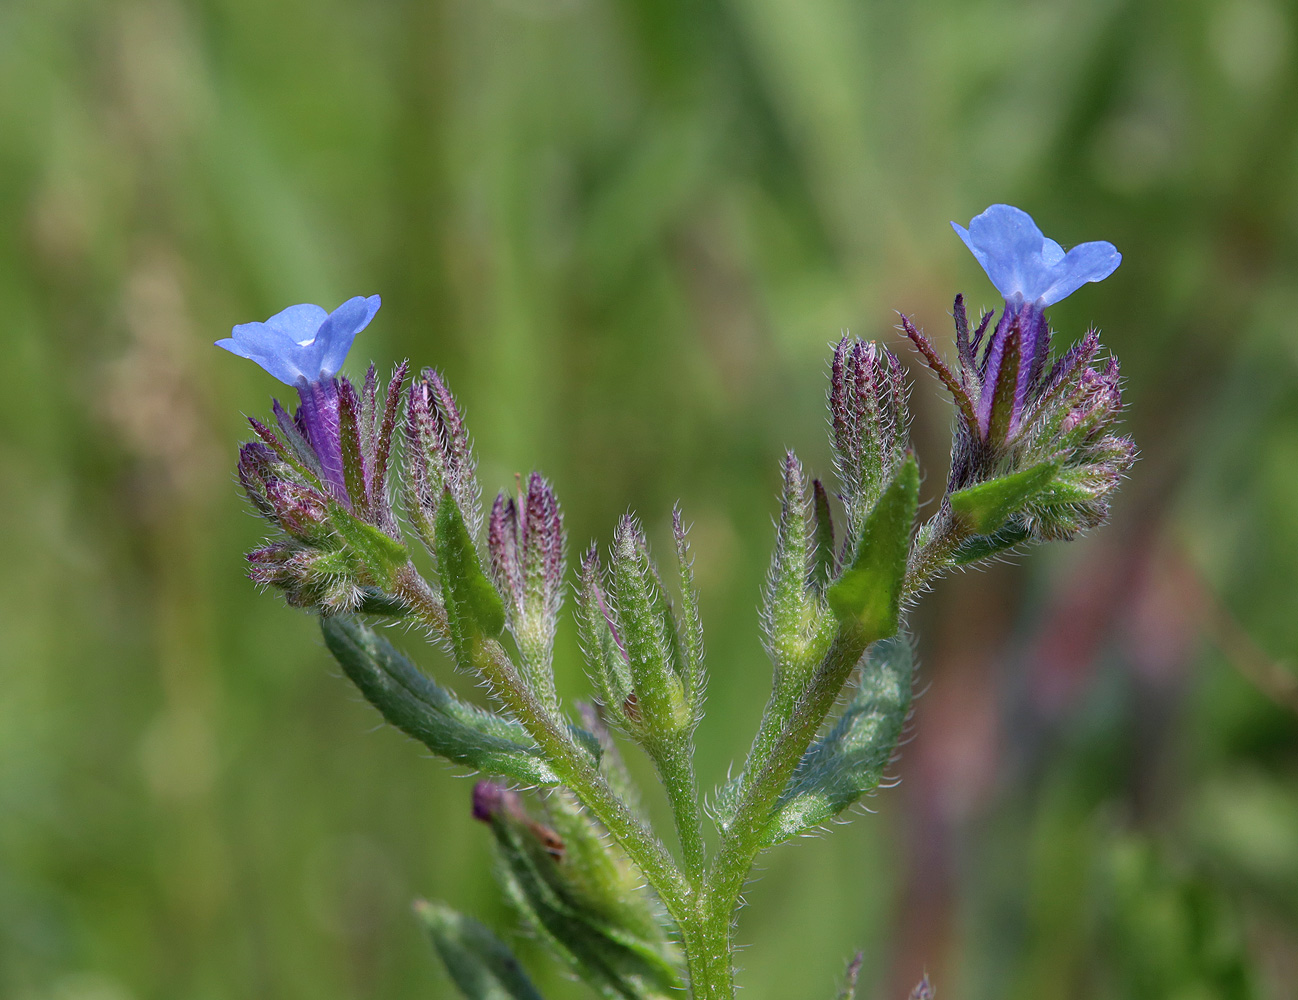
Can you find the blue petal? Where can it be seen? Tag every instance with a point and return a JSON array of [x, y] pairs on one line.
[[1011, 244], [299, 323], [1021, 261], [265, 349], [337, 332], [1084, 262]]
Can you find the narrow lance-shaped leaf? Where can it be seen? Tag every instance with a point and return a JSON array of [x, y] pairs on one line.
[[418, 706], [981, 547], [473, 607], [849, 760], [692, 623], [480, 964], [985, 508], [868, 594], [557, 875], [374, 550]]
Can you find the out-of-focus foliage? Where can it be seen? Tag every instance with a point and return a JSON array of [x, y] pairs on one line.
[[627, 230]]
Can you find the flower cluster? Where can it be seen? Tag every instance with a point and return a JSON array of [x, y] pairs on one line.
[[1035, 456], [1019, 408]]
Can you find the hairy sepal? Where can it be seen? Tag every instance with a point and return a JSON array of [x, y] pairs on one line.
[[984, 508]]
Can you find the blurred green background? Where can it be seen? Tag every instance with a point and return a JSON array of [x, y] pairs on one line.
[[627, 230]]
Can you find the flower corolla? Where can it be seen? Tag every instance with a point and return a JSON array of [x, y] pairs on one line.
[[1022, 262], [303, 343]]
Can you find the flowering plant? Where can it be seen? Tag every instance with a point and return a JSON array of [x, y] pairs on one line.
[[1034, 457]]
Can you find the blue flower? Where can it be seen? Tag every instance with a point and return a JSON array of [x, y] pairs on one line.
[[303, 343], [1020, 261]]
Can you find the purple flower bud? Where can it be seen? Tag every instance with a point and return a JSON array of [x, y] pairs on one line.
[[867, 403], [490, 798], [525, 542], [543, 546], [299, 510], [440, 454], [502, 547]]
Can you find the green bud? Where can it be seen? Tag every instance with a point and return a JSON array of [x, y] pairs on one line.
[[656, 709], [796, 620]]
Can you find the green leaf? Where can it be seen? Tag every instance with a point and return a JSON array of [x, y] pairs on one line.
[[375, 602], [473, 606], [868, 594], [849, 760], [423, 709], [481, 965], [983, 546], [823, 570], [984, 508], [578, 893], [382, 555]]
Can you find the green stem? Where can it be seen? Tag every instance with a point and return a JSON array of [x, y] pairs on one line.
[[742, 841], [568, 760], [939, 540], [676, 766]]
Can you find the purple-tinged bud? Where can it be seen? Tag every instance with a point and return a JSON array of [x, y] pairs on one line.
[[316, 579], [502, 547], [542, 554], [440, 456], [525, 541], [867, 402], [299, 510], [256, 465], [491, 798]]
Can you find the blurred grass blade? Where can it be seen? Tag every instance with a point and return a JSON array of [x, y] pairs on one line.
[[423, 709], [849, 761], [480, 964]]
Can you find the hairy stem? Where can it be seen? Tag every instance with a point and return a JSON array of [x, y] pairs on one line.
[[742, 841], [676, 766], [568, 760]]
